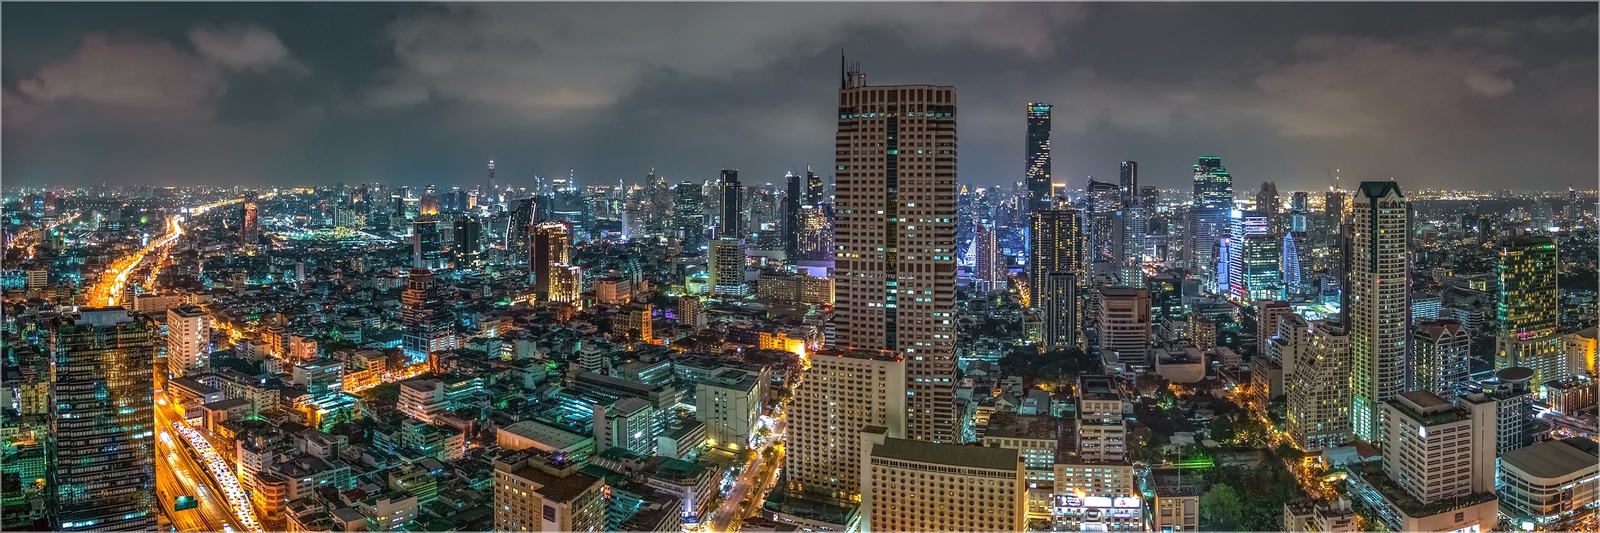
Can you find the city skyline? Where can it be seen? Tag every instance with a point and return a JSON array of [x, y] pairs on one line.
[[1436, 95]]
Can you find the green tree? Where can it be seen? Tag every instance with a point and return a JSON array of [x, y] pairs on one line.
[[1222, 506], [1223, 430]]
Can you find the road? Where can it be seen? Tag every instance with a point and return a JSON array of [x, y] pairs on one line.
[[181, 473], [753, 483]]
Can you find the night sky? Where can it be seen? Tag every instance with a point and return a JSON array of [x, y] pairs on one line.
[[1471, 95]]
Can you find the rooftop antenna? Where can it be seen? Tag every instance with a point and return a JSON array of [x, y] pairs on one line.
[[850, 73]]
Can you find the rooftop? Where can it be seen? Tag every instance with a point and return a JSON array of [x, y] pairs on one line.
[[1554, 459], [1015, 426], [947, 454]]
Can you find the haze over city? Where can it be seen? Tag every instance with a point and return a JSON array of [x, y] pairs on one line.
[[1463, 95]]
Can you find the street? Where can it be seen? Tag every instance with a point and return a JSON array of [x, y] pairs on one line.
[[177, 473], [753, 482]]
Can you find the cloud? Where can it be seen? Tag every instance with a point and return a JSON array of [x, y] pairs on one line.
[[242, 47], [548, 59]]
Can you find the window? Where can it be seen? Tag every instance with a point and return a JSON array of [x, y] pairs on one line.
[[549, 514]]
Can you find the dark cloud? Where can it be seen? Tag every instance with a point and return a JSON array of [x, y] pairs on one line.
[[1462, 95]]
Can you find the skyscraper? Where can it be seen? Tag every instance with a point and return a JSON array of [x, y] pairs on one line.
[[843, 393], [425, 324], [551, 242], [1527, 310], [816, 233], [250, 225], [1440, 350], [1253, 257], [1038, 145], [792, 199], [814, 192], [895, 230], [1316, 379], [1213, 185], [1056, 246], [188, 340], [469, 239], [104, 431], [1060, 303], [1208, 216], [1123, 324], [689, 214], [726, 266], [425, 247], [1267, 202], [1129, 183], [990, 270], [731, 222], [1377, 303], [1105, 204]]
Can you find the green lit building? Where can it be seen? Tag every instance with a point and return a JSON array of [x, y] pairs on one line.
[[1527, 310]]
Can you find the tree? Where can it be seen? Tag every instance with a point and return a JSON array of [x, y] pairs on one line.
[[1222, 506], [1222, 429]]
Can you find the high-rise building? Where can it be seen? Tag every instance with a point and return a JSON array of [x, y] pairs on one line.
[[1123, 324], [814, 190], [1508, 408], [1128, 182], [188, 341], [909, 485], [552, 244], [1440, 353], [844, 392], [469, 239], [990, 270], [1299, 202], [730, 223], [688, 214], [1316, 375], [1057, 245], [1208, 216], [1289, 260], [1166, 297], [1377, 294], [1094, 480], [792, 199], [250, 224], [1527, 310], [426, 325], [104, 433], [1253, 256], [815, 238], [1213, 185], [1059, 302], [1105, 204], [896, 267], [1038, 147], [425, 246], [1267, 202], [1334, 206], [1431, 437], [726, 267]]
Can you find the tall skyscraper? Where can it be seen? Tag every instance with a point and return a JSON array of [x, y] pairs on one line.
[[425, 246], [1267, 202], [730, 224], [104, 433], [1056, 246], [1527, 310], [792, 200], [1129, 183], [1316, 376], [1038, 145], [1208, 216], [895, 230], [726, 266], [1060, 303], [689, 214], [816, 233], [814, 193], [552, 243], [469, 239], [1123, 324], [425, 324], [1253, 259], [1377, 303], [250, 224], [990, 270], [1105, 205]]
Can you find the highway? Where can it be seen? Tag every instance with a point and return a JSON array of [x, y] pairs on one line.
[[178, 473]]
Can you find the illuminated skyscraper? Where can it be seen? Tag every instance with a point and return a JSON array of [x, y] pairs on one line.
[[1316, 380], [1208, 216], [1253, 259], [689, 214], [250, 224], [552, 243], [105, 436], [816, 233], [188, 341], [814, 193], [895, 230], [425, 324], [1105, 206], [425, 246], [726, 266], [990, 270], [1527, 310], [469, 239], [1377, 303], [1057, 245], [1440, 352], [1129, 183], [792, 199], [1038, 145], [730, 223], [1059, 301]]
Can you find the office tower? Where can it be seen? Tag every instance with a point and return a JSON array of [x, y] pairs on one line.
[[730, 223], [1038, 146], [425, 251], [489, 186], [1508, 408], [1267, 203], [1527, 310], [1208, 214], [688, 214], [990, 273], [1316, 376], [566, 284], [1059, 301], [1056, 245], [250, 225], [536, 491], [1129, 183], [1376, 303], [1149, 196], [1268, 314], [792, 200], [816, 233], [469, 239], [1252, 259], [1440, 350], [1123, 323], [1094, 481], [1298, 202], [726, 267], [1105, 203], [814, 191], [425, 325], [1166, 297], [1432, 437], [188, 341], [895, 230], [909, 485], [104, 431], [552, 243], [844, 392], [1334, 206], [1289, 259]]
